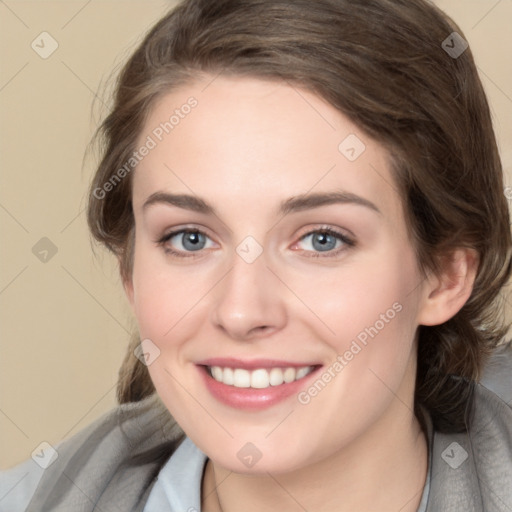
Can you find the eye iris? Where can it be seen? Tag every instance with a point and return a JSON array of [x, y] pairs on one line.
[[193, 241], [324, 242]]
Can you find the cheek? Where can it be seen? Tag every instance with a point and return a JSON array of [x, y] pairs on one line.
[[371, 315], [172, 303], [163, 309], [163, 300], [372, 293]]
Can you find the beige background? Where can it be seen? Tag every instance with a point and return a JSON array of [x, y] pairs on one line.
[[65, 322]]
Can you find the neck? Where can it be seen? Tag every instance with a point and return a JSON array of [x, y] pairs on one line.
[[384, 469]]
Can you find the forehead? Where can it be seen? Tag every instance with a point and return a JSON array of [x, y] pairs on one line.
[[237, 138]]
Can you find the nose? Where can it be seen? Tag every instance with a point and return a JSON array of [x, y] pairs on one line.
[[249, 301]]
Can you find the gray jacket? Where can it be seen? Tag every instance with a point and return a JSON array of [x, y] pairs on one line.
[[112, 464]]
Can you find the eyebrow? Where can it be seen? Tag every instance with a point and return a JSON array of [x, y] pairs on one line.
[[290, 205]]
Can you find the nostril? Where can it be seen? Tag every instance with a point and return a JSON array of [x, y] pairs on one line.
[[260, 329]]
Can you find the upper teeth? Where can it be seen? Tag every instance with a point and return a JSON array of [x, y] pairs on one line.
[[260, 378]]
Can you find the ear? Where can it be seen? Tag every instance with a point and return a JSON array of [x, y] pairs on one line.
[[447, 293]]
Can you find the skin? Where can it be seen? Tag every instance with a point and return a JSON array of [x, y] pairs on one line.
[[247, 146]]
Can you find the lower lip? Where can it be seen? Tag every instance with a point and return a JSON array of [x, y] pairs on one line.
[[251, 398]]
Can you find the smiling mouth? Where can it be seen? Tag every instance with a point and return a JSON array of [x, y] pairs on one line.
[[259, 378]]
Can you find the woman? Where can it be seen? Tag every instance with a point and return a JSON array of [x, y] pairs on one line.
[[306, 202]]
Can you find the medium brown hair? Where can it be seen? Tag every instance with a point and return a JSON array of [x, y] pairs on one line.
[[382, 64]]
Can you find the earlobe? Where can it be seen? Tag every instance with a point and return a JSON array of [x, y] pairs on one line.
[[447, 293]]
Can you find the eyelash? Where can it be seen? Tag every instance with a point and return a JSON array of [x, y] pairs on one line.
[[347, 242]]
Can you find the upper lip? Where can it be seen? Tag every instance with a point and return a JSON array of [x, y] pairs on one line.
[[252, 364]]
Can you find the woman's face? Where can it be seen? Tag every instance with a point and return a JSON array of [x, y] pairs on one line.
[[271, 252]]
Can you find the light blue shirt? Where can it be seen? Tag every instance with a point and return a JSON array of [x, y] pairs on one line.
[[178, 487], [17, 486]]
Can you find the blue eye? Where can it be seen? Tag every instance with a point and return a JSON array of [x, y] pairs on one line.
[[185, 240], [191, 240], [325, 241]]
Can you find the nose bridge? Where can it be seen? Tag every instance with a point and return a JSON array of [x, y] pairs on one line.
[[249, 298]]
